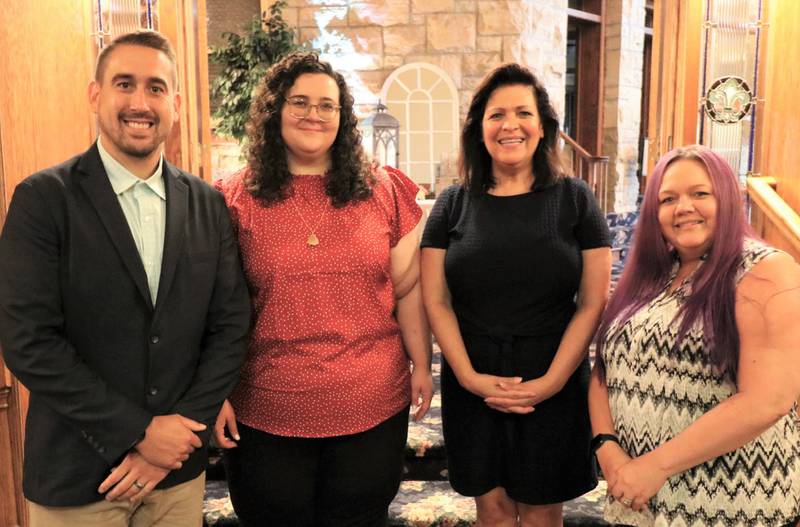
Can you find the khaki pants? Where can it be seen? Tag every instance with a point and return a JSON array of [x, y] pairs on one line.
[[178, 506]]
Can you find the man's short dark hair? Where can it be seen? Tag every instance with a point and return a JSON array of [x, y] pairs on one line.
[[147, 39]]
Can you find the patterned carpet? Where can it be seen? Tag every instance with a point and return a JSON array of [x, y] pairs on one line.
[[434, 503], [217, 508]]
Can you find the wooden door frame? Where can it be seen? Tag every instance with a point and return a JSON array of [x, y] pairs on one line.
[[185, 27], [591, 25], [675, 76], [13, 407], [183, 22], [13, 399]]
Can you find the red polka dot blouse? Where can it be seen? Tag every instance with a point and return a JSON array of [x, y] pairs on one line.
[[325, 356]]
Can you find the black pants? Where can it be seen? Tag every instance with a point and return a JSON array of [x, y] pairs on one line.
[[303, 482]]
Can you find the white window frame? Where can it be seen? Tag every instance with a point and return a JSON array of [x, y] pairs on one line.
[[399, 107]]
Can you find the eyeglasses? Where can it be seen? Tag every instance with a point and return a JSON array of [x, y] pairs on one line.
[[300, 108]]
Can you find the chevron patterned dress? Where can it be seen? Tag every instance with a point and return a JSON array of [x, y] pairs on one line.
[[654, 395]]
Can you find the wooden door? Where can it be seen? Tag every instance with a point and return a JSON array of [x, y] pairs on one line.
[[48, 59], [44, 119], [675, 76]]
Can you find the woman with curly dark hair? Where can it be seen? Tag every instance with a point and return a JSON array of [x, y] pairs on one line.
[[329, 246], [515, 273]]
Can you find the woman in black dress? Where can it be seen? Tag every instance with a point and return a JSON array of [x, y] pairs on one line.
[[504, 256]]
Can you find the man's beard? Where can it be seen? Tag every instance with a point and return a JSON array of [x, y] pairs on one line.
[[126, 145], [140, 153]]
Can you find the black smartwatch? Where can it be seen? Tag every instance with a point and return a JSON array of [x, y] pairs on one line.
[[599, 439]]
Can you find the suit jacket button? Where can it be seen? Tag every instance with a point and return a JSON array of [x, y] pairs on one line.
[[153, 391], [154, 339], [101, 449]]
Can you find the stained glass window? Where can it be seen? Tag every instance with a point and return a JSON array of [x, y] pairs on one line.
[[117, 17], [732, 30]]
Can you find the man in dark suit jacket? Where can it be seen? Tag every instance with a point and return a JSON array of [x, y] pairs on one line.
[[123, 309]]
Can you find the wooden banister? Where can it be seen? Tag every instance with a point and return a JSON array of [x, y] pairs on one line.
[[590, 168], [775, 209], [574, 145]]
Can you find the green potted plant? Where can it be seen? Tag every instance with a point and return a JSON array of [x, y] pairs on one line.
[[245, 60]]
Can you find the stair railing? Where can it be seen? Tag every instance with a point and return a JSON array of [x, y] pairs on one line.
[[592, 169], [769, 212]]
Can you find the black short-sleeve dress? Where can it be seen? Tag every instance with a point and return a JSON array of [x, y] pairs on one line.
[[513, 267]]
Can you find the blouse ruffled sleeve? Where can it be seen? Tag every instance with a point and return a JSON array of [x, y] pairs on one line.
[[405, 213]]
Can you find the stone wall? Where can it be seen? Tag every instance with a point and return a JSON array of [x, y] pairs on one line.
[[624, 54], [369, 39], [466, 38]]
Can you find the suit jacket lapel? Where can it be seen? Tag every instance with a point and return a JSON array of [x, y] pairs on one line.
[[98, 188], [177, 210]]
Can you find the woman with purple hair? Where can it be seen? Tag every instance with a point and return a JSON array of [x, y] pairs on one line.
[[692, 398]]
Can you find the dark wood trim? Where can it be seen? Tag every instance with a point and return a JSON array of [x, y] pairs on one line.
[[13, 509], [589, 82], [647, 65], [582, 152], [18, 409], [8, 506]]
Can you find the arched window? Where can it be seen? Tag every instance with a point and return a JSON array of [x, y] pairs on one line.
[[425, 101]]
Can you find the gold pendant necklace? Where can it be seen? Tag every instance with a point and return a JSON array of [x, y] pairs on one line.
[[312, 240]]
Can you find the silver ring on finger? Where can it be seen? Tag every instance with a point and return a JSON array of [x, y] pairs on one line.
[[138, 485], [627, 502]]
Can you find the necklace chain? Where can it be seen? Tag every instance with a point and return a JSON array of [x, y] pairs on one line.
[[312, 240]]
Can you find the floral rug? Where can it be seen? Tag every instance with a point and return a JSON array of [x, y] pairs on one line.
[[217, 508], [435, 504]]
